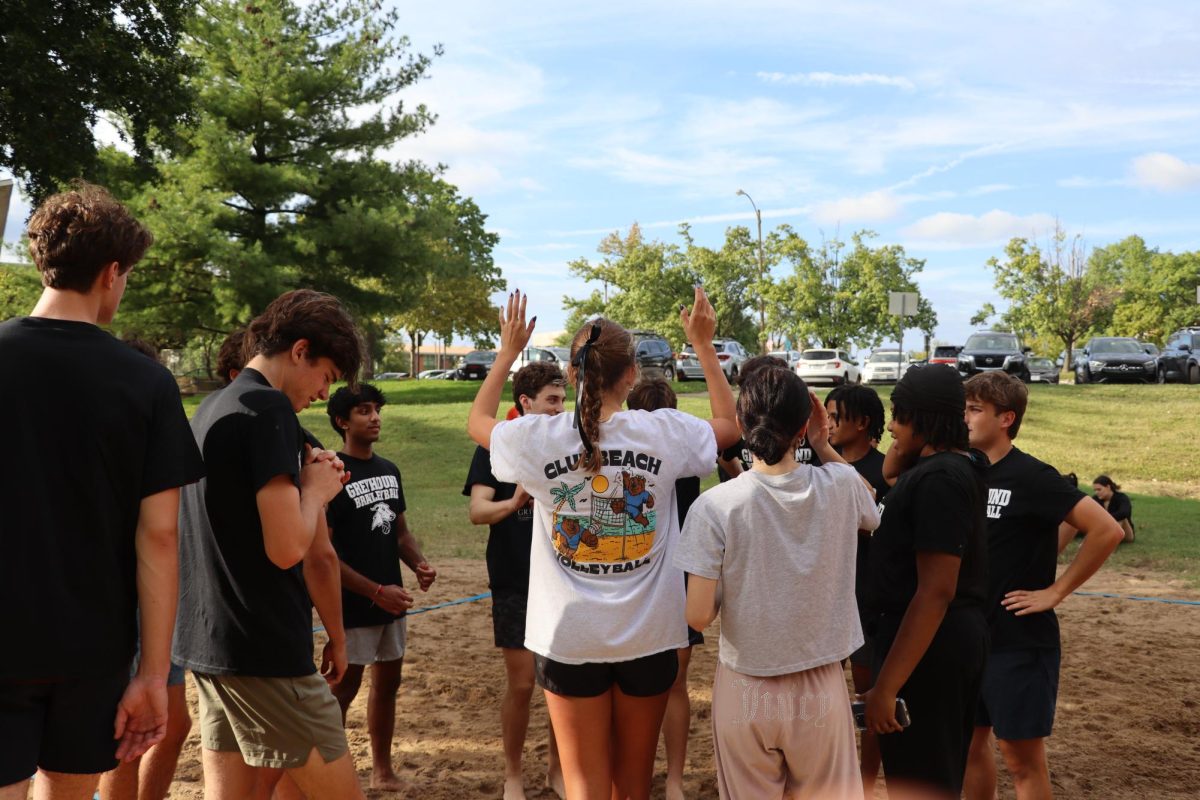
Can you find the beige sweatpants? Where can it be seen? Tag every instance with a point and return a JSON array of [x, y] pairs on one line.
[[787, 736]]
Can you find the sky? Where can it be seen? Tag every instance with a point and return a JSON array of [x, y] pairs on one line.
[[945, 127]]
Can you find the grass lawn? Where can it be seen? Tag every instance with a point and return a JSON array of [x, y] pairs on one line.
[[1145, 437]]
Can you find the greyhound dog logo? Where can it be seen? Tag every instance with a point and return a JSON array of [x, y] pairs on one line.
[[382, 517]]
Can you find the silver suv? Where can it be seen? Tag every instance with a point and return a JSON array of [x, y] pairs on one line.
[[730, 353]]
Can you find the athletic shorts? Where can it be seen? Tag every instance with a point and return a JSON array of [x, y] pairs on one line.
[[59, 726], [695, 637], [272, 722], [508, 619], [377, 643], [1020, 692], [642, 677]]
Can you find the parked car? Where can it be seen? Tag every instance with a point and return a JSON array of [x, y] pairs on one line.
[[653, 354], [563, 354], [1150, 347], [834, 366], [1106, 359], [987, 351], [1180, 357], [884, 366], [945, 354], [1043, 370], [730, 353], [475, 365], [391, 376], [531, 355], [433, 374], [792, 357]]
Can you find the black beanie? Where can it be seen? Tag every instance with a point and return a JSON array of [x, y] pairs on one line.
[[932, 387]]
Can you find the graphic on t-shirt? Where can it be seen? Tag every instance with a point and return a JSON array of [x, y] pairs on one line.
[[997, 499], [619, 524], [382, 517]]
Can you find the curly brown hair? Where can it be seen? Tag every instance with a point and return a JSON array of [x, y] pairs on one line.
[[315, 316], [607, 361], [651, 394], [73, 235], [532, 378], [230, 357], [1005, 392]]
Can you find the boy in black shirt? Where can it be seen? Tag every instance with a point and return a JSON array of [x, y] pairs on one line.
[[855, 424], [255, 548], [507, 510], [371, 536], [1027, 502], [91, 497], [926, 590]]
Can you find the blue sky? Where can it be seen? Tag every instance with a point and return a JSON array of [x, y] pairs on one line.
[[945, 127]]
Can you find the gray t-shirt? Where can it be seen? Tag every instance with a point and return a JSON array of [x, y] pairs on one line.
[[782, 548]]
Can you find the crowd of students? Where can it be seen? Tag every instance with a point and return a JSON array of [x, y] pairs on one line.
[[931, 570]]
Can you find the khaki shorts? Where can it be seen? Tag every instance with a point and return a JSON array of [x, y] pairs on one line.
[[377, 643], [272, 722]]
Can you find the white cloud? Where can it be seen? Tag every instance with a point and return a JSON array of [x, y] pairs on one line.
[[947, 230], [1083, 182], [877, 206], [825, 79], [1165, 172]]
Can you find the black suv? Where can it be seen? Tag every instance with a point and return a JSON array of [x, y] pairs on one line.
[[476, 365], [1106, 359], [1180, 357], [654, 355], [988, 351]]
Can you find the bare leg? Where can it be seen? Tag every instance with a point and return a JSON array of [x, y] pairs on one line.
[[583, 727], [1026, 762], [514, 717], [554, 771], [227, 776], [61, 786], [265, 781], [870, 760], [287, 789], [381, 723], [636, 723], [346, 689], [980, 781], [122, 783], [675, 727], [1127, 527], [158, 765], [333, 780]]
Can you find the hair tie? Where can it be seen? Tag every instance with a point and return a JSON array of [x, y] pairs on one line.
[[580, 364]]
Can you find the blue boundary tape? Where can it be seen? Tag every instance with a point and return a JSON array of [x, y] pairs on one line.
[[460, 601], [1140, 599]]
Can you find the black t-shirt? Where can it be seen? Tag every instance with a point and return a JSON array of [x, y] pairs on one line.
[[510, 539], [937, 506], [1026, 502], [93, 428], [686, 492], [804, 455], [1119, 507], [363, 521], [239, 614], [870, 467]]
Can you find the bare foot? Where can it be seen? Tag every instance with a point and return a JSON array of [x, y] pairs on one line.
[[674, 791], [554, 782], [514, 788], [388, 781]]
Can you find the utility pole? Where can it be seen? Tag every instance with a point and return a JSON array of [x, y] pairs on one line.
[[762, 279]]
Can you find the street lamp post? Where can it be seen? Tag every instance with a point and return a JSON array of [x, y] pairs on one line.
[[762, 278]]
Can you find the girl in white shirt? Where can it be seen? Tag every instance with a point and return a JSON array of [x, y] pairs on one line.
[[606, 603]]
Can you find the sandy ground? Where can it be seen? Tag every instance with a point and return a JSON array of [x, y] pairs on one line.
[[1128, 720]]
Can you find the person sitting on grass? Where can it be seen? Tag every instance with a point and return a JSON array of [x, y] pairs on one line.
[[1116, 502]]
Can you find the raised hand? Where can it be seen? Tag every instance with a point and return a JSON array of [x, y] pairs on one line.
[[701, 322], [514, 332]]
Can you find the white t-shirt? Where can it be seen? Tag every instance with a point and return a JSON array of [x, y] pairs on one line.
[[783, 549], [602, 583]]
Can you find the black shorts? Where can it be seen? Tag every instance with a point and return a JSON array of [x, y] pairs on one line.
[[695, 637], [1020, 692], [642, 677], [942, 695], [508, 619], [59, 726]]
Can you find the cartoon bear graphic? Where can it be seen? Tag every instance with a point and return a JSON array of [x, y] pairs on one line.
[[636, 496], [570, 533]]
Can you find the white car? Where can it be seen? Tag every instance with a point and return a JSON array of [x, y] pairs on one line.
[[884, 366], [532, 354], [833, 366]]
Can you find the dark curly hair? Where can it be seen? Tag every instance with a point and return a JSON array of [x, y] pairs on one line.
[[857, 402], [651, 394], [772, 409], [345, 400], [73, 235], [532, 378], [230, 357], [305, 314], [939, 430]]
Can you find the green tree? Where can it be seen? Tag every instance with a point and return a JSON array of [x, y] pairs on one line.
[[1158, 290], [1052, 292], [730, 279], [449, 308], [20, 288], [834, 295], [65, 63]]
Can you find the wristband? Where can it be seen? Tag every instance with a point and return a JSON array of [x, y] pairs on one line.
[[378, 589]]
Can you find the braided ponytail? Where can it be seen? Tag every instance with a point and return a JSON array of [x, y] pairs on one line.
[[601, 353]]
